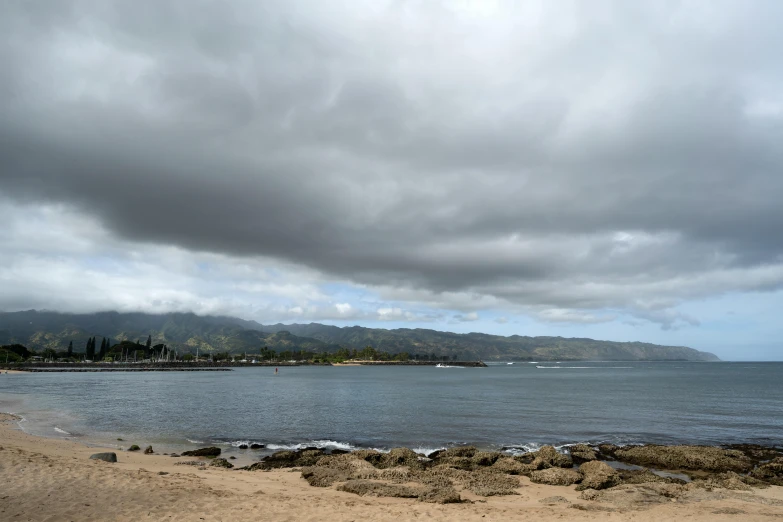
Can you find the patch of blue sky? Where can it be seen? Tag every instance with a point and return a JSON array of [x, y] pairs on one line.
[[104, 264]]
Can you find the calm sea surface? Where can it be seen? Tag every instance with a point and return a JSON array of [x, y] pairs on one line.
[[515, 405]]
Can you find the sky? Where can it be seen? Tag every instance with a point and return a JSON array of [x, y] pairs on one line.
[[603, 169]]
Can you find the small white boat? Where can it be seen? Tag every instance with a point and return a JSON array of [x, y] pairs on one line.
[[509, 363]]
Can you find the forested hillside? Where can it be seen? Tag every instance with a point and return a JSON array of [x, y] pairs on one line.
[[186, 332]]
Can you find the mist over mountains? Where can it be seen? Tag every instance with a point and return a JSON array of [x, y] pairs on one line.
[[186, 332]]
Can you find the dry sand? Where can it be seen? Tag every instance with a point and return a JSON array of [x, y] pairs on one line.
[[52, 479]]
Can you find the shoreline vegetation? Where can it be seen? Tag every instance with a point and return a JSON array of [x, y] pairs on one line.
[[33, 367], [461, 483]]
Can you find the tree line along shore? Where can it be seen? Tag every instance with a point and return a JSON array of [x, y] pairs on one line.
[[34, 366], [135, 352]]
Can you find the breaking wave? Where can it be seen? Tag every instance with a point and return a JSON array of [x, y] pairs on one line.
[[320, 444]]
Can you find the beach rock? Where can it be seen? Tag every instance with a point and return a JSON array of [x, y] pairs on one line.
[[487, 484], [525, 458], [338, 451], [379, 489], [636, 496], [400, 457], [371, 456], [257, 446], [134, 448], [459, 451], [597, 475], [581, 453], [606, 451], [485, 458], [702, 458], [644, 476], [484, 482], [232, 457], [174, 455], [221, 463], [242, 446], [511, 467], [447, 495], [728, 480], [202, 452], [309, 457], [280, 459], [555, 477], [770, 472], [551, 501], [549, 457], [323, 477], [106, 457], [291, 459], [398, 475], [756, 452], [350, 464], [464, 463], [148, 450]]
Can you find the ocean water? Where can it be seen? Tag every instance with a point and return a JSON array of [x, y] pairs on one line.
[[519, 406]]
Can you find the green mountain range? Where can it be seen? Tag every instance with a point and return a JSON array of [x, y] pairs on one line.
[[186, 332]]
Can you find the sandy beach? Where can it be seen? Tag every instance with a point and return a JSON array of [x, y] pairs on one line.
[[49, 479]]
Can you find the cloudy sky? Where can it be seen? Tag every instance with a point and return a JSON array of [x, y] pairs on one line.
[[605, 169]]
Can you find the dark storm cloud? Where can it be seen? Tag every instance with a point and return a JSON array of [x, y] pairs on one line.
[[603, 156]]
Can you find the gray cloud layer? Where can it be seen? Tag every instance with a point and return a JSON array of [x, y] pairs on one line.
[[561, 158]]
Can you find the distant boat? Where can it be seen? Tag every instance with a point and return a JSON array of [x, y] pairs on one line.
[[509, 363]]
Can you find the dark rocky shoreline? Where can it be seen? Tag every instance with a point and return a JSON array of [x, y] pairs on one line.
[[441, 476]]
